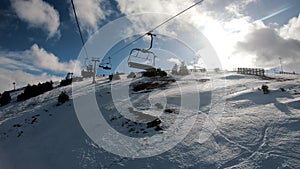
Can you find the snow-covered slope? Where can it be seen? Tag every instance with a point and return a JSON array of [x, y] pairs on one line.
[[223, 119]]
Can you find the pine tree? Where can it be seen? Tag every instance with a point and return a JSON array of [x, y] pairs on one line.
[[5, 98], [183, 70], [175, 69]]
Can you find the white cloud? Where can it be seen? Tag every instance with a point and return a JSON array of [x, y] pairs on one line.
[[89, 13], [156, 6], [267, 46], [38, 13], [152, 13], [174, 60], [292, 29], [237, 7], [21, 78], [36, 59], [14, 63], [263, 45], [48, 61]]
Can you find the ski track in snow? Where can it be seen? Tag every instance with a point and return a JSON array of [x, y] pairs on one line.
[[252, 130]]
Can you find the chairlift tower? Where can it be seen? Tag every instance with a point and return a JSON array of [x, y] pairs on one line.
[[95, 60]]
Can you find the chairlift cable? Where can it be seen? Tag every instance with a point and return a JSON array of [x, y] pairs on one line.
[[78, 26], [176, 15], [171, 18]]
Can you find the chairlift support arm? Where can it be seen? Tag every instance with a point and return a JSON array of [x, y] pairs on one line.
[[151, 36]]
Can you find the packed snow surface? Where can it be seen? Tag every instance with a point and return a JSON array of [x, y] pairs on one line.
[[214, 120]]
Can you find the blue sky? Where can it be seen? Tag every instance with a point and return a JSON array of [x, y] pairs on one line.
[[40, 40]]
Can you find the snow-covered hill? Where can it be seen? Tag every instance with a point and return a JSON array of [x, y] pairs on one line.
[[213, 120]]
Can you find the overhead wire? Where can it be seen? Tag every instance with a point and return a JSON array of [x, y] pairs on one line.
[[171, 18], [79, 29]]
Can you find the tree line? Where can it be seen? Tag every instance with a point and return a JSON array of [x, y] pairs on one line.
[[35, 90]]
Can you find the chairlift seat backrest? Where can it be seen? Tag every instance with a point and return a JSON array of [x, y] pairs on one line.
[[140, 66]]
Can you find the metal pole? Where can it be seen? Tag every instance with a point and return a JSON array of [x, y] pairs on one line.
[[95, 60], [94, 76], [281, 65]]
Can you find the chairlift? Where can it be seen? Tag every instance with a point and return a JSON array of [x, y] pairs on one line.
[[142, 58], [106, 65]]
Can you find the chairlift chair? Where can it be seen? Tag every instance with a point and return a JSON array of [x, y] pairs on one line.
[[142, 58], [107, 65]]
